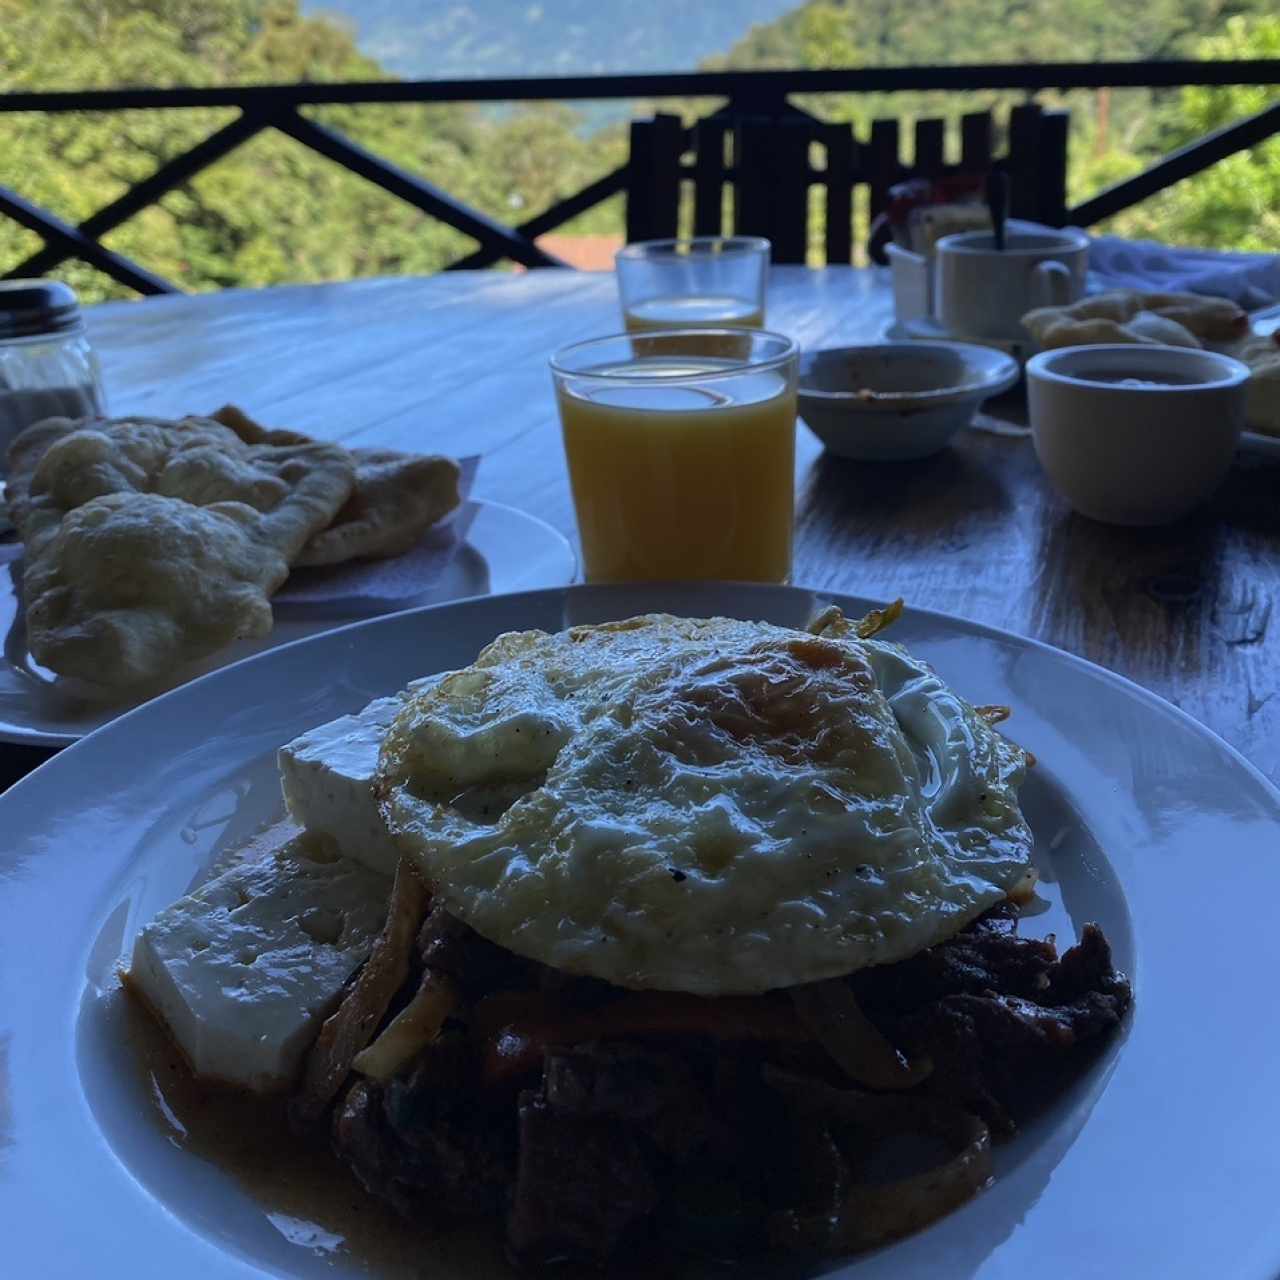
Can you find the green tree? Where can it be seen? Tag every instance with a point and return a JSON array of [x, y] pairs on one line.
[[1235, 204], [272, 211]]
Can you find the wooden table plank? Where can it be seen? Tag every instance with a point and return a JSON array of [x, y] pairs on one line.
[[457, 363]]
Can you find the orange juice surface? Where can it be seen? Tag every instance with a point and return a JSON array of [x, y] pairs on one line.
[[680, 481], [692, 311]]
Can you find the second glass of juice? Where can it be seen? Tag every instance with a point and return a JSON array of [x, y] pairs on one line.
[[708, 282], [681, 459]]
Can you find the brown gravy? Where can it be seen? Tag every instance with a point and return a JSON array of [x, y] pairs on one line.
[[308, 1196]]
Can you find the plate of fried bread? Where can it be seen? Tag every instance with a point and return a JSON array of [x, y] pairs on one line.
[[147, 551]]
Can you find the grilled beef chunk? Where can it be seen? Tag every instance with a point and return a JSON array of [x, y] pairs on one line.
[[813, 1179], [425, 1143], [584, 1183], [477, 965], [361, 1139], [982, 958], [988, 1045], [809, 1174], [1087, 967], [985, 1049], [650, 1087]]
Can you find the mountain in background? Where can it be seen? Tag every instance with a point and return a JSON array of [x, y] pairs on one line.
[[885, 33], [499, 38]]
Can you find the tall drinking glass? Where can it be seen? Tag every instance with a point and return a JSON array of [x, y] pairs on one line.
[[709, 282], [681, 458]]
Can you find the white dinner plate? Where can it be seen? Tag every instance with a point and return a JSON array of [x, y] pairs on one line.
[[505, 550], [1162, 1161]]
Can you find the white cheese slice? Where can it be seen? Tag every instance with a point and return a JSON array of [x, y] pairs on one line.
[[244, 969], [327, 778]]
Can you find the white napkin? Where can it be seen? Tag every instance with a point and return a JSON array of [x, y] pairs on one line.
[[1250, 279]]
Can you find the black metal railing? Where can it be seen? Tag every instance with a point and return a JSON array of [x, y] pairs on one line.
[[755, 94]]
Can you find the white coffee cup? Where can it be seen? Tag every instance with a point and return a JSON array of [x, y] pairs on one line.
[[1135, 434], [983, 292]]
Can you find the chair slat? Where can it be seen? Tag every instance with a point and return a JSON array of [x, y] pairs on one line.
[[653, 195], [1051, 170], [1022, 160], [975, 142], [772, 186], [839, 229], [770, 175], [751, 183], [789, 192], [884, 159], [930, 138], [708, 177]]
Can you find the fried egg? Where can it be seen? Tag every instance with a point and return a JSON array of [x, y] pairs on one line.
[[704, 805]]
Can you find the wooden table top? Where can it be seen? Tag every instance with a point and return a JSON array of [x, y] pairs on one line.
[[457, 363]]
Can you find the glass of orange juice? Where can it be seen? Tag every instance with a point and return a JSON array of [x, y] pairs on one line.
[[681, 457], [708, 282]]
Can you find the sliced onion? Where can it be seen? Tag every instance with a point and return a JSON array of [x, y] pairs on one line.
[[878, 620], [831, 1012], [832, 621], [876, 1213], [873, 1213], [412, 1029], [350, 1028]]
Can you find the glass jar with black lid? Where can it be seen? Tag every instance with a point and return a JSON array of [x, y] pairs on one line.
[[47, 367]]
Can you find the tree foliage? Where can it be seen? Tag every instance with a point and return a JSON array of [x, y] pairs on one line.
[[1236, 204], [272, 211]]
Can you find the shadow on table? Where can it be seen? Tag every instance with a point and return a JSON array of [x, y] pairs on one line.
[[932, 495], [1153, 602]]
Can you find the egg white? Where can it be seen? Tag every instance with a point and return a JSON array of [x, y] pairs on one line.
[[705, 805]]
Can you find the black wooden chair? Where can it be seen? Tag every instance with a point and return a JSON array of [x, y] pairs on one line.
[[767, 164]]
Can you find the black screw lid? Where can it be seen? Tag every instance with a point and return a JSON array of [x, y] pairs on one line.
[[32, 307]]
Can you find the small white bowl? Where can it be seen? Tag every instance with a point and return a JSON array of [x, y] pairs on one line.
[[1135, 434], [895, 401]]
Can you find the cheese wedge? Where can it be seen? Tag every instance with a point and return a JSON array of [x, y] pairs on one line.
[[244, 969], [327, 778]]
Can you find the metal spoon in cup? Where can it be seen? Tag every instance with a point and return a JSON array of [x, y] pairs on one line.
[[998, 203]]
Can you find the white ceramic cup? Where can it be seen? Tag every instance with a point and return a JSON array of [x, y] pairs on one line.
[[983, 292], [1135, 434]]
